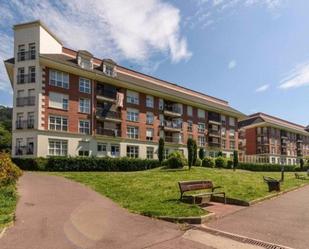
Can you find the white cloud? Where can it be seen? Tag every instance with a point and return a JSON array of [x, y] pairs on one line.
[[138, 30], [232, 64], [298, 77], [262, 88]]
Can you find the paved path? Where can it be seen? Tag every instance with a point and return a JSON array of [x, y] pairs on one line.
[[283, 220], [55, 213]]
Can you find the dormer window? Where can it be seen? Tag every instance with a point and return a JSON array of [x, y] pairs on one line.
[[84, 59], [109, 68]]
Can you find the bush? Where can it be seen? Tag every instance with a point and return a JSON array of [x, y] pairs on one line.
[[220, 162], [9, 173], [266, 167], [299, 169], [201, 153], [208, 162], [86, 164], [198, 162], [176, 160], [229, 164]]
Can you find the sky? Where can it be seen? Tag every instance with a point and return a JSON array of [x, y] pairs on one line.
[[252, 53]]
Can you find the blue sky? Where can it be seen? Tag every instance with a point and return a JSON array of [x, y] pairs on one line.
[[253, 53]]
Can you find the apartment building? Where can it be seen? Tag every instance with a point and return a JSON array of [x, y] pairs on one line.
[[272, 140], [69, 102]]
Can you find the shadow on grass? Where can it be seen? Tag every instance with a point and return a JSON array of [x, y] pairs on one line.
[[166, 169]]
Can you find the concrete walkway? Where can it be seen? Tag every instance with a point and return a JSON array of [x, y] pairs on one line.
[[283, 220], [55, 213]]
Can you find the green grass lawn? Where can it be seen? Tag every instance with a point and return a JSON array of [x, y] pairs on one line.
[[155, 192], [8, 200]]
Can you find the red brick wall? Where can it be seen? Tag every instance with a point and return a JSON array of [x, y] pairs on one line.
[[72, 113], [251, 142]]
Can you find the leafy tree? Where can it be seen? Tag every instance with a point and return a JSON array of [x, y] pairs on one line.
[[6, 117], [161, 150], [194, 152], [235, 159], [220, 154], [5, 139], [301, 161], [190, 148], [201, 153]]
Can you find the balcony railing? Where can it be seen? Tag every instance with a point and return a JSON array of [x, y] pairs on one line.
[[108, 114], [172, 110], [171, 124], [106, 93], [26, 55], [108, 132], [25, 78], [25, 101], [23, 150], [25, 124], [171, 139]]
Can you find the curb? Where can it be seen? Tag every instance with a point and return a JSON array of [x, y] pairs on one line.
[[190, 220]]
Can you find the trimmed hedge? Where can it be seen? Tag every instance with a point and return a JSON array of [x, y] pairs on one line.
[[176, 160], [85, 164], [208, 162], [266, 167]]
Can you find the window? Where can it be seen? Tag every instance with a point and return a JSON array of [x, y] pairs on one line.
[[58, 123], [85, 63], [20, 75], [132, 151], [108, 70], [232, 145], [132, 97], [223, 119], [190, 126], [201, 127], [132, 132], [30, 119], [149, 101], [201, 141], [132, 115], [57, 147], [58, 100], [201, 113], [30, 146], [223, 143], [59, 79], [149, 152], [32, 51], [21, 55], [115, 149], [102, 147], [223, 131], [232, 121], [84, 105], [83, 153], [161, 104], [31, 71], [189, 111], [84, 85], [149, 134], [149, 118], [84, 126], [232, 133]]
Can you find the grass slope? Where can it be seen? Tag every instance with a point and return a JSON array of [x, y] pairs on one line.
[[155, 192], [8, 200]]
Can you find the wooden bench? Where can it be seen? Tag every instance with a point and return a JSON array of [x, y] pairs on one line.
[[273, 184], [186, 186], [299, 176]]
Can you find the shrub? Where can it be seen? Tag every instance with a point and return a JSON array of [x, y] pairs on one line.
[[198, 162], [266, 167], [176, 160], [208, 162], [235, 159], [201, 153], [305, 168], [229, 164], [86, 164], [9, 173], [190, 147], [161, 150], [220, 162]]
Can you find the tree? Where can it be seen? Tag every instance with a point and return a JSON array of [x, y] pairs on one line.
[[219, 153], [235, 159], [194, 152], [5, 139], [161, 150], [301, 161], [190, 148], [201, 153]]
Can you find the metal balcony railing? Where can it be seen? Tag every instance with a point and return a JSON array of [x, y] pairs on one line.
[[25, 78], [25, 101], [106, 93], [171, 139], [26, 55], [23, 150], [108, 132], [108, 114], [25, 124], [171, 124]]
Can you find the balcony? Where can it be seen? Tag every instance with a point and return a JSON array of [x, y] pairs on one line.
[[172, 111], [214, 118], [172, 126], [214, 133], [175, 140], [214, 142], [26, 55], [25, 78], [108, 95], [25, 124], [108, 115], [23, 150], [25, 101], [108, 132]]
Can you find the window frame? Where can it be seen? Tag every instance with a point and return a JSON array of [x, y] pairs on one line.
[[59, 79], [149, 101], [134, 134], [82, 129], [84, 85], [84, 108], [63, 147], [63, 127], [132, 151]]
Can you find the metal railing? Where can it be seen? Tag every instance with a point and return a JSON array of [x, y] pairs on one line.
[[108, 114], [26, 55], [23, 150], [25, 78], [174, 109], [25, 124], [171, 139], [171, 124], [106, 93], [25, 101], [108, 132]]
